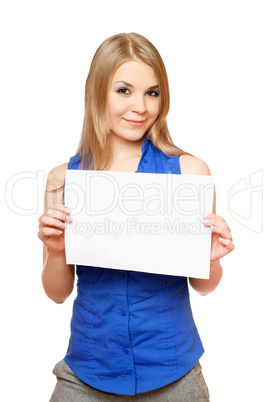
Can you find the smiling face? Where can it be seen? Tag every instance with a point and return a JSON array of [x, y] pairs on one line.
[[133, 100]]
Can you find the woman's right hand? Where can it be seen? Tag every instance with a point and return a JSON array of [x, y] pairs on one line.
[[52, 225]]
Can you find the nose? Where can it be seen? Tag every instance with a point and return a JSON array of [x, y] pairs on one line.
[[139, 104]]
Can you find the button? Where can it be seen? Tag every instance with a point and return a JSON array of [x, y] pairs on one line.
[[122, 276], [126, 351], [123, 312]]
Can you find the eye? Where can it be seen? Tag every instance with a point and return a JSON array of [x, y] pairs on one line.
[[124, 91], [153, 93]]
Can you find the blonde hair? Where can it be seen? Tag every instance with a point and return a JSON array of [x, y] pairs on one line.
[[95, 145]]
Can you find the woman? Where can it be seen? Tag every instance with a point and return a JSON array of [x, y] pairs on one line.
[[132, 333]]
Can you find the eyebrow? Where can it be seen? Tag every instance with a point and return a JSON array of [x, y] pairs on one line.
[[131, 86]]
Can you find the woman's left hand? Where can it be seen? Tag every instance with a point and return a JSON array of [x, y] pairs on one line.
[[221, 239]]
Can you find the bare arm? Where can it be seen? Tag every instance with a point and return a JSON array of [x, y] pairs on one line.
[[57, 276], [206, 286]]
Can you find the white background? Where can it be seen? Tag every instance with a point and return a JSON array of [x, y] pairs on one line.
[[216, 58]]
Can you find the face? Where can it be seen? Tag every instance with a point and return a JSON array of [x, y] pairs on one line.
[[133, 100]]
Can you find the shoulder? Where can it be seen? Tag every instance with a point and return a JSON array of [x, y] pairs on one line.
[[56, 176], [191, 165], [55, 184]]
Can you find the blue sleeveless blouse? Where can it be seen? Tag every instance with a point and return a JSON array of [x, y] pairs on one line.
[[132, 332]]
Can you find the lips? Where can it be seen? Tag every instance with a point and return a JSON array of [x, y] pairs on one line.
[[136, 123]]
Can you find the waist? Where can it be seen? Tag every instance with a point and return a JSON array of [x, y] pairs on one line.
[[126, 325]]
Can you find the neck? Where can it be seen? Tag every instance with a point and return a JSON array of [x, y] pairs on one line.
[[123, 150]]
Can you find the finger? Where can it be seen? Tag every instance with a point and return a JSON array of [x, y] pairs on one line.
[[46, 231], [48, 221], [213, 216], [224, 233], [60, 207], [228, 243], [53, 213], [216, 222]]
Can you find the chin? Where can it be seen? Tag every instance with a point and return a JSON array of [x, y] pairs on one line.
[[131, 136]]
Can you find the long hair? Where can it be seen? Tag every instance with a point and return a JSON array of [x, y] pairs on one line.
[[95, 144]]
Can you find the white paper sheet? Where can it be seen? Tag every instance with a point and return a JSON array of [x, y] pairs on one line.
[[139, 221]]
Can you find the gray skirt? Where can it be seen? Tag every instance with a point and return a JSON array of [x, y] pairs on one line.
[[69, 388]]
